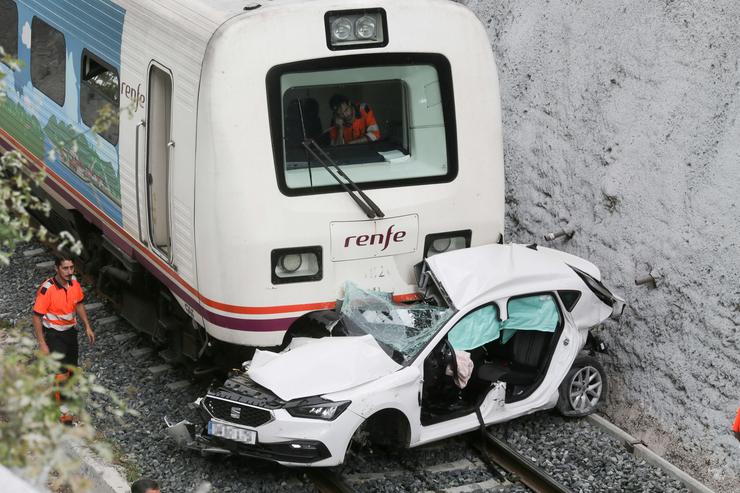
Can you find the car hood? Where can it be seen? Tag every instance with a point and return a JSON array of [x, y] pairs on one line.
[[311, 367]]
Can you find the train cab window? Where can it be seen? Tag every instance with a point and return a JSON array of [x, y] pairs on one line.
[[9, 27], [386, 120], [98, 89], [48, 60]]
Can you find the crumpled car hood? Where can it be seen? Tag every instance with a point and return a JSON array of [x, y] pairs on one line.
[[311, 367]]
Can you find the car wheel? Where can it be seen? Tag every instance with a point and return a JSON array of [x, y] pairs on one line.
[[584, 388]]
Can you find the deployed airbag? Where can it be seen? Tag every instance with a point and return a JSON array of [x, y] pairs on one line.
[[476, 329], [538, 313]]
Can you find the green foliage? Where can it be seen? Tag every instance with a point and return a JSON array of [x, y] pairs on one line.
[[16, 201], [31, 435]]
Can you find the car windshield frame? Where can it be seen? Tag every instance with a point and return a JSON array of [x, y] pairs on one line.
[[276, 115], [368, 312]]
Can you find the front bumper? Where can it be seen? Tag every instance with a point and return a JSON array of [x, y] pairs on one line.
[[187, 436], [288, 440]]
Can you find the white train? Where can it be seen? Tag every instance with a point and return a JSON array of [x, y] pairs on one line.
[[225, 206]]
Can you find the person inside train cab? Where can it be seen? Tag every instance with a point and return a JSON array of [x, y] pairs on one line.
[[55, 311], [352, 122]]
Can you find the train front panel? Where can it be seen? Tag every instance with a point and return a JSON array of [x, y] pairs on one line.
[[301, 106]]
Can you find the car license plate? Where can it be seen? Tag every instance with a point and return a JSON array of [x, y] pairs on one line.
[[230, 432]]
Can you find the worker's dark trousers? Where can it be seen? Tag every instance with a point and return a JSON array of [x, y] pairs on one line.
[[66, 344]]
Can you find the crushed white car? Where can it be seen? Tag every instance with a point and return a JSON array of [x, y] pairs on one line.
[[503, 332]]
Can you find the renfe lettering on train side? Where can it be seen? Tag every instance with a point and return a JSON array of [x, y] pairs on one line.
[[133, 95], [376, 239]]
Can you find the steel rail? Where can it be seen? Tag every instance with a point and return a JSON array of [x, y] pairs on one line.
[[328, 481], [526, 471]]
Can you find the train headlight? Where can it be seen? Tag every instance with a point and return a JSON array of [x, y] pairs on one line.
[[355, 29], [446, 242], [300, 264], [290, 263], [365, 27], [341, 29], [440, 245]]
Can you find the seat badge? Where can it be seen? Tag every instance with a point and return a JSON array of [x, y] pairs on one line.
[[236, 412]]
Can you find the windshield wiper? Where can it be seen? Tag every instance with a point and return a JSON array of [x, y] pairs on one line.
[[366, 204]]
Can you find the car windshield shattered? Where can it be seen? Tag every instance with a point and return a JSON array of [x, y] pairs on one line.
[[402, 330]]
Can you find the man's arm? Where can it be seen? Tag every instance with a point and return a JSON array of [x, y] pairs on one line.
[[82, 313], [337, 132], [39, 331]]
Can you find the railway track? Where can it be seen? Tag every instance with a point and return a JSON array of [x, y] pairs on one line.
[[493, 466], [329, 481], [502, 454]]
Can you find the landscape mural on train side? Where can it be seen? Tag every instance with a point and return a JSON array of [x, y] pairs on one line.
[[56, 134]]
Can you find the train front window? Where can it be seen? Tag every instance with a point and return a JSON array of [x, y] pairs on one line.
[[387, 121]]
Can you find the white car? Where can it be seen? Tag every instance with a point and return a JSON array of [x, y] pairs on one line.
[[504, 332]]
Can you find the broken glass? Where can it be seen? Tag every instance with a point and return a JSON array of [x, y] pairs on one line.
[[406, 329]]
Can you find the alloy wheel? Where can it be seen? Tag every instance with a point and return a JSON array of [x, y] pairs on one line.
[[585, 389]]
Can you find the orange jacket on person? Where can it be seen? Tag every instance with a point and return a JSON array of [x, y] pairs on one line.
[[736, 425], [56, 304], [364, 125]]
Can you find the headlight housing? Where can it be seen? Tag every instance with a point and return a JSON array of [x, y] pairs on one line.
[[446, 242], [300, 264], [341, 29], [354, 29], [316, 408]]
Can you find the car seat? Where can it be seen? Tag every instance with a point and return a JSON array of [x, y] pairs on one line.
[[518, 361]]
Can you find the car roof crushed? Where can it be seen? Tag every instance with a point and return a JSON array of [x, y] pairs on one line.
[[492, 271]]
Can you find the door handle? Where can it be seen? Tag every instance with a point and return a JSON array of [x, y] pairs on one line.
[[139, 126]]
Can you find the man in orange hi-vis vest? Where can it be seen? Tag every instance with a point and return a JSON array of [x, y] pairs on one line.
[[736, 425], [352, 123], [58, 304]]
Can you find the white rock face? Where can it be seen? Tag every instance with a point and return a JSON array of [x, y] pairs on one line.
[[621, 124]]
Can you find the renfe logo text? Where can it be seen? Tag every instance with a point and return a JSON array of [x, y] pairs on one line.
[[376, 239]]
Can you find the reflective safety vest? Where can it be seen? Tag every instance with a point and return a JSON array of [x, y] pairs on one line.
[[364, 125], [736, 424], [56, 304]]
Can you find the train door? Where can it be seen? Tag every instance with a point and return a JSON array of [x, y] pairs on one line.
[[159, 159]]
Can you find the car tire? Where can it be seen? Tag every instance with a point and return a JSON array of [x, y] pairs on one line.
[[584, 389]]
